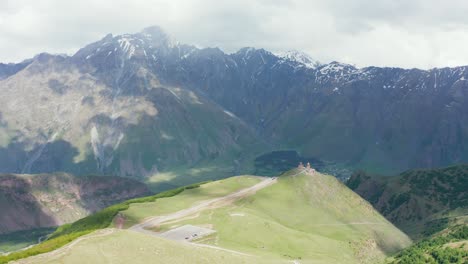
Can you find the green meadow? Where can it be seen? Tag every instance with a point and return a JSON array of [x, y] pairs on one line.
[[307, 218], [139, 211], [301, 218]]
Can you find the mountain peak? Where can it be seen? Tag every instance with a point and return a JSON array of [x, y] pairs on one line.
[[155, 31], [157, 35], [299, 57], [138, 44]]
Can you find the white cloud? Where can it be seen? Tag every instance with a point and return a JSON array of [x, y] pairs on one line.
[[411, 33]]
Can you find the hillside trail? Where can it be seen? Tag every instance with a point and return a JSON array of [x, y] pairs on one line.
[[219, 248], [209, 204]]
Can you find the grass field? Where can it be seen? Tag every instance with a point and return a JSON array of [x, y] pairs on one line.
[[125, 246], [313, 219], [140, 211], [303, 218]]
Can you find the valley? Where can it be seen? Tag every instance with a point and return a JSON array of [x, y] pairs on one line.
[[126, 152], [279, 161], [34, 205], [420, 202], [19, 240], [430, 205]]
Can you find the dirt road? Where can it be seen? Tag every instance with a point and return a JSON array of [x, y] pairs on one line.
[[209, 204]]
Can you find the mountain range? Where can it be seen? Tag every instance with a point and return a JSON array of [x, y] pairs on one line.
[[148, 107]]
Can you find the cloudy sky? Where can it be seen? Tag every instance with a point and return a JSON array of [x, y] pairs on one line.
[[404, 33]]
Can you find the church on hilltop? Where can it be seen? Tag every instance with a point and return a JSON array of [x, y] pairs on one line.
[[308, 169]]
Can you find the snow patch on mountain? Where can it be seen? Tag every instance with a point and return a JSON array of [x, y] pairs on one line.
[[299, 57], [126, 45], [229, 114], [335, 67]]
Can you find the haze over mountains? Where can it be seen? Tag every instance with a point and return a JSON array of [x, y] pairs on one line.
[[140, 105]]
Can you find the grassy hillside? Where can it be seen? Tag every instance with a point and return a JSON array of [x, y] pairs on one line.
[[135, 210], [102, 219], [139, 211], [302, 218], [125, 246], [420, 202]]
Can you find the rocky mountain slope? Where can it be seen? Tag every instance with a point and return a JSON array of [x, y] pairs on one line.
[[9, 69], [382, 119], [140, 105], [45, 200], [71, 114], [420, 202]]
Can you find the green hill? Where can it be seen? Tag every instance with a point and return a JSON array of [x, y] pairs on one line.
[[300, 217], [447, 246], [420, 202]]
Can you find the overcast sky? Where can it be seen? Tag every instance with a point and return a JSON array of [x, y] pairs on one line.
[[404, 33]]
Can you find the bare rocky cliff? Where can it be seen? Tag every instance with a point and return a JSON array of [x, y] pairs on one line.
[[46, 200]]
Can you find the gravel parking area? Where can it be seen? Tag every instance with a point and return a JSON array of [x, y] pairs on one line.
[[187, 233]]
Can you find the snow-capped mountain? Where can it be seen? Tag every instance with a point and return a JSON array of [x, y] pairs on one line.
[[140, 104], [299, 57]]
